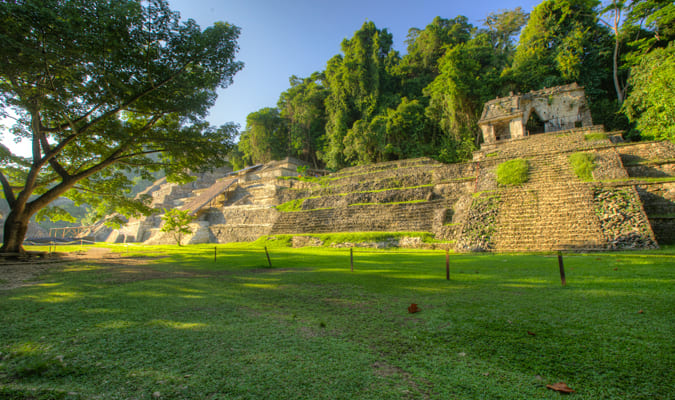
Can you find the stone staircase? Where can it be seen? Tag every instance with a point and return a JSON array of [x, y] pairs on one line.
[[408, 195], [554, 210], [406, 217], [546, 143]]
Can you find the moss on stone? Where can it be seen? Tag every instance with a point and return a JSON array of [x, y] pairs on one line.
[[593, 137], [513, 172], [583, 165], [291, 206]]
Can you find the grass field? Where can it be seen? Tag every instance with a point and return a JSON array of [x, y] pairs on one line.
[[171, 323]]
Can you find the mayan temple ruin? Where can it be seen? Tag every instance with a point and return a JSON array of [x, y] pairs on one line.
[[629, 203]]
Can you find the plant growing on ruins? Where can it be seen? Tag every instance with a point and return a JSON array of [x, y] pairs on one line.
[[583, 165], [513, 172], [177, 223], [291, 206], [592, 137]]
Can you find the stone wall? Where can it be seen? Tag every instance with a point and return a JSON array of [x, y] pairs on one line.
[[658, 200], [461, 204], [624, 223]]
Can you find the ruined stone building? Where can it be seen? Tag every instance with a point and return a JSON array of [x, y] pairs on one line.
[[548, 110], [629, 202]]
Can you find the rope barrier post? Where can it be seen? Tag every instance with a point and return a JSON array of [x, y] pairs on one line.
[[351, 257], [447, 264], [268, 257], [562, 269]]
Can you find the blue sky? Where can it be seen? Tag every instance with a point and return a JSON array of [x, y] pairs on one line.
[[297, 37]]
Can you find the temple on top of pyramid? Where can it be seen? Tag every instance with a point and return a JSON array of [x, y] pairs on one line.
[[547, 110]]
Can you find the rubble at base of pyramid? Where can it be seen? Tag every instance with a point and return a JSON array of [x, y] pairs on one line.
[[629, 202]]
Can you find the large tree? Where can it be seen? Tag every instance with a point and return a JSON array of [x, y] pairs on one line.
[[564, 42], [360, 86], [265, 137], [469, 76], [425, 47], [104, 87], [651, 104], [303, 109]]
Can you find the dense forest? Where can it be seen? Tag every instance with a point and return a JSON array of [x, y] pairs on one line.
[[371, 104]]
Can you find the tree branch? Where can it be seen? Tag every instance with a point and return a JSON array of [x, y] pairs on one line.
[[7, 189], [68, 184], [122, 106]]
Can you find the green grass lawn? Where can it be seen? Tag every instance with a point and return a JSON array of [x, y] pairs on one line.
[[184, 326]]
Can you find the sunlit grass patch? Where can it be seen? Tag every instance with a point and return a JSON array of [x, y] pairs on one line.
[[236, 328]]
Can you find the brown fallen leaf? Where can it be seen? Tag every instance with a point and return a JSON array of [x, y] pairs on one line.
[[640, 312], [531, 333], [413, 308], [560, 387]]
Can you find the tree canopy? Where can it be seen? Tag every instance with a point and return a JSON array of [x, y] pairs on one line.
[[101, 88]]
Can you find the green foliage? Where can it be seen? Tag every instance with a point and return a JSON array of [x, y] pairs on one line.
[[504, 25], [265, 137], [360, 86], [177, 223], [513, 172], [564, 43], [303, 110], [593, 137], [583, 165], [291, 206], [425, 47], [123, 85], [469, 76], [338, 238], [651, 103]]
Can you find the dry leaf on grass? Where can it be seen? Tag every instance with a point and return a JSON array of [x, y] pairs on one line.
[[560, 387], [413, 308]]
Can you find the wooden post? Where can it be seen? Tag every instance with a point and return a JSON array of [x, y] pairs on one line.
[[214, 254], [447, 264], [562, 268], [268, 257], [351, 257]]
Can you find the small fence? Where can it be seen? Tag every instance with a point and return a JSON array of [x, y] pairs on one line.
[[561, 266], [69, 231], [268, 258]]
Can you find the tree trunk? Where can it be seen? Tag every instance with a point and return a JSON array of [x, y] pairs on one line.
[[16, 226], [615, 61]]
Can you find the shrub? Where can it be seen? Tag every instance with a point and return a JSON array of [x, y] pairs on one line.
[[583, 165], [592, 137], [291, 206], [177, 223], [513, 172]]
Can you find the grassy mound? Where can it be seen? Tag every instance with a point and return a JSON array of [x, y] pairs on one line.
[[583, 165], [513, 172]]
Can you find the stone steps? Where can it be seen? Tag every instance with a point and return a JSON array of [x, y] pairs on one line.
[[548, 217], [547, 143], [382, 217]]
